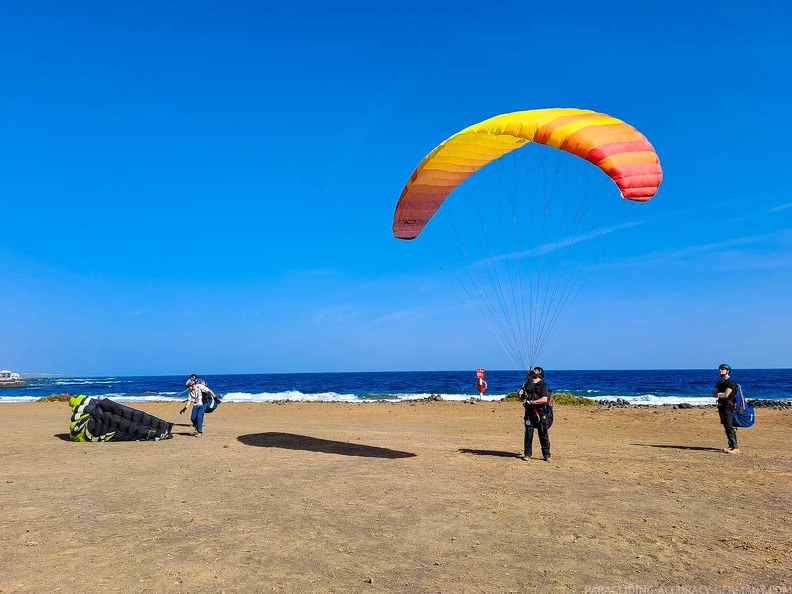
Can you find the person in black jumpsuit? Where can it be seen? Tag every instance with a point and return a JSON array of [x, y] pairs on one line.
[[726, 393], [535, 395]]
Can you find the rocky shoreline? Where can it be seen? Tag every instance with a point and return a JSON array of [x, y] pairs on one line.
[[606, 404], [767, 404], [622, 403]]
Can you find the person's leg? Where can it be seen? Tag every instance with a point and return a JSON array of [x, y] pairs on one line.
[[199, 418], [528, 441], [194, 415], [544, 440], [728, 426]]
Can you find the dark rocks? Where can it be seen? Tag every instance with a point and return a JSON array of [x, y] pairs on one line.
[[772, 404], [621, 403], [430, 398]]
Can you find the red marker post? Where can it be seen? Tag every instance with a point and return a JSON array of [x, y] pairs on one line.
[[481, 385]]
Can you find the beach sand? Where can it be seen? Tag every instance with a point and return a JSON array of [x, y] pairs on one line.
[[408, 497]]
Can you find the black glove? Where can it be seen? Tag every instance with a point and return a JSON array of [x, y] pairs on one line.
[[181, 412]]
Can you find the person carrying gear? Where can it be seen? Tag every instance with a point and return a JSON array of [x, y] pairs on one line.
[[535, 396], [200, 397], [726, 393]]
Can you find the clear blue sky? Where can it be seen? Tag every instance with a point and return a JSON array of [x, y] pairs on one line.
[[210, 186]]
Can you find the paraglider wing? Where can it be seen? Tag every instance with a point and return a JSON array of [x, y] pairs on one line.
[[102, 419], [527, 227], [617, 148]]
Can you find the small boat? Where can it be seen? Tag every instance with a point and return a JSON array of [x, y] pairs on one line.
[[11, 380]]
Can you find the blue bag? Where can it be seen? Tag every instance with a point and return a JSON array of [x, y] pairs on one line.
[[744, 413]]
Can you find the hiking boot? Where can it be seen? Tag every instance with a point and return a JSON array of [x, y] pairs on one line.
[[547, 459], [197, 434], [733, 451], [525, 457]]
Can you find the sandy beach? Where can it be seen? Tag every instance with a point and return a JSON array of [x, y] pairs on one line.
[[408, 497]]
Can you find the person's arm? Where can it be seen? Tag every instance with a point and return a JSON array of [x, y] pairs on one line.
[[187, 404], [725, 394]]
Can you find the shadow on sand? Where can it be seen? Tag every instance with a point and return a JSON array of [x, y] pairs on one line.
[[290, 441], [63, 436], [189, 433], [498, 453], [678, 447]]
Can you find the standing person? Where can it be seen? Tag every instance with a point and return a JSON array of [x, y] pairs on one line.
[[535, 396], [726, 393], [199, 397]]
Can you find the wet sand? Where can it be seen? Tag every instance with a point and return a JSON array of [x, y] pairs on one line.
[[421, 497]]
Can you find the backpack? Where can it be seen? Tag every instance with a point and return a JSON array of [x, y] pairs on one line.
[[743, 412]]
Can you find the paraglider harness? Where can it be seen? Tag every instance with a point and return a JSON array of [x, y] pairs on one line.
[[542, 412], [743, 412]]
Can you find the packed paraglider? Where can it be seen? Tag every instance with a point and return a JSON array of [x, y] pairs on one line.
[[102, 419]]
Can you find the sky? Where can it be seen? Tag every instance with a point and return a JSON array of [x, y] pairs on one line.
[[210, 186]]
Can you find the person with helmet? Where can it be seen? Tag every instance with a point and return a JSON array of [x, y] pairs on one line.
[[535, 396], [726, 393], [200, 397]]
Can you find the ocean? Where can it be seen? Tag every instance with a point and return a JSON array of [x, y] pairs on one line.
[[650, 387]]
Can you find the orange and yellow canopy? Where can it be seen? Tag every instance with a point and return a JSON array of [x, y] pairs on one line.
[[616, 148]]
